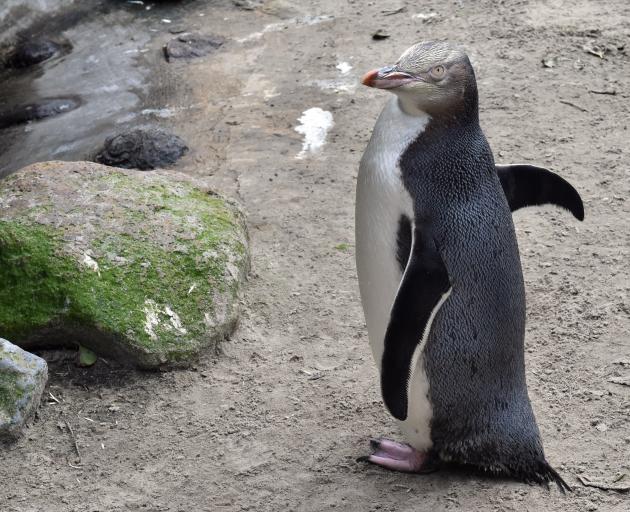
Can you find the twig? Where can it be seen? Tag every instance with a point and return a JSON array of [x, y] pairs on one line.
[[610, 92], [394, 11], [74, 439], [606, 487], [582, 109], [54, 397]]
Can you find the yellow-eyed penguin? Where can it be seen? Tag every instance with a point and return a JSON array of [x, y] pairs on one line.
[[440, 274]]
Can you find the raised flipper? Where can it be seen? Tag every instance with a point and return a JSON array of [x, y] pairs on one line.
[[424, 287], [528, 185]]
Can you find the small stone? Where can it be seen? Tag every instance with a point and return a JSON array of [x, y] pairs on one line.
[[594, 49], [22, 379], [379, 35], [426, 17], [247, 5], [143, 148], [29, 53], [190, 45], [177, 29]]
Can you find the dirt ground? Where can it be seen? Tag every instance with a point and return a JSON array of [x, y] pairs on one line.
[[276, 419]]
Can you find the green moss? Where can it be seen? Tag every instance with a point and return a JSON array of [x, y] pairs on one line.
[[117, 179], [342, 247], [32, 289], [10, 392]]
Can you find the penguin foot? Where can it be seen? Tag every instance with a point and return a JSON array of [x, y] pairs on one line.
[[396, 456]]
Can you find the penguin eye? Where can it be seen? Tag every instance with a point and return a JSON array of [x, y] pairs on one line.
[[438, 72]]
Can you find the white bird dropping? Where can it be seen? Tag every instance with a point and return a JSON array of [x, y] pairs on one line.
[[314, 125]]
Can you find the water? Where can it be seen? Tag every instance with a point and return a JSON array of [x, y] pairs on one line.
[[108, 65]]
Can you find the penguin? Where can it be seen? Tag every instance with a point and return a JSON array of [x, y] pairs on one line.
[[440, 275]]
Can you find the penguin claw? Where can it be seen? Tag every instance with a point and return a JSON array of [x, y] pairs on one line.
[[375, 444]]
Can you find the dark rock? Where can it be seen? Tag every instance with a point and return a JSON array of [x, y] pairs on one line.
[[379, 35], [177, 30], [44, 108], [247, 5], [142, 148], [28, 53], [189, 45]]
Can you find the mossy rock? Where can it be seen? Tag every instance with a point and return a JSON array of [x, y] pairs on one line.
[[22, 380], [142, 267]]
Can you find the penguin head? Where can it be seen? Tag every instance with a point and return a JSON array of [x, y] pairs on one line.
[[433, 77]]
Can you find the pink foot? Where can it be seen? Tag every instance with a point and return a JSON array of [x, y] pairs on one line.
[[397, 456]]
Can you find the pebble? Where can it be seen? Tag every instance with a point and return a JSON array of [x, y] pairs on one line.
[[189, 45]]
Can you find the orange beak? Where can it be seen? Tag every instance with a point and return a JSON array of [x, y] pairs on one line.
[[387, 78], [369, 78]]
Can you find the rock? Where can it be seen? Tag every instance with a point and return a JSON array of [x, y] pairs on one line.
[[247, 5], [22, 380], [44, 108], [281, 8], [142, 267], [28, 53], [142, 148], [549, 61], [380, 34], [177, 29], [189, 45]]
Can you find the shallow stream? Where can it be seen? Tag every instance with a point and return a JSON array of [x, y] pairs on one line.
[[102, 78]]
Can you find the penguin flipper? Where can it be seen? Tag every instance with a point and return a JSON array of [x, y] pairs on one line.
[[423, 289], [528, 185]]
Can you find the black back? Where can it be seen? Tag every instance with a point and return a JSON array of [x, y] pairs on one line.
[[474, 355]]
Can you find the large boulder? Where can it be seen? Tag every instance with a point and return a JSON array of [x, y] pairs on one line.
[[142, 267], [22, 380]]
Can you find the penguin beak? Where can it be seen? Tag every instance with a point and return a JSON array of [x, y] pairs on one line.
[[386, 78]]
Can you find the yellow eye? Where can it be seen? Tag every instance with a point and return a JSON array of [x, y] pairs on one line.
[[438, 72]]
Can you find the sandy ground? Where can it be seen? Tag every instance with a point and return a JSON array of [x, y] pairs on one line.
[[276, 420]]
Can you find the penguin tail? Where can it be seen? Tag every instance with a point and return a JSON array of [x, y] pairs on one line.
[[544, 474], [535, 472]]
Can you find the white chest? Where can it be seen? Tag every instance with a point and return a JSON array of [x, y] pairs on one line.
[[381, 200]]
